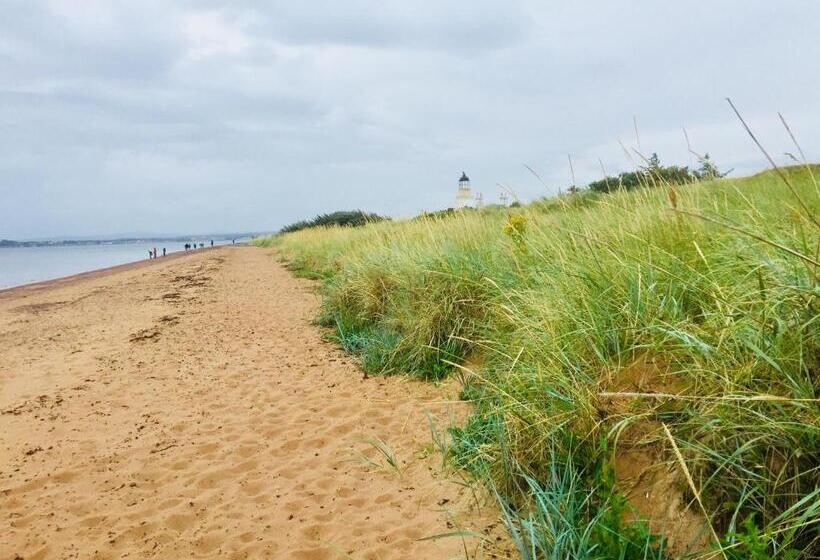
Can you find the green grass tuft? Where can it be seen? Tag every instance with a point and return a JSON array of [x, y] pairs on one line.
[[598, 317]]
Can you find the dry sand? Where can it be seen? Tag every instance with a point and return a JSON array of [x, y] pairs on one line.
[[190, 409]]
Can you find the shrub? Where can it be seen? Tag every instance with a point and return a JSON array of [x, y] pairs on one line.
[[655, 174], [345, 218]]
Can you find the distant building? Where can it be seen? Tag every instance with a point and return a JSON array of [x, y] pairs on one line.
[[464, 195]]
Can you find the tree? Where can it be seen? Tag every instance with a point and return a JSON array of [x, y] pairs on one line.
[[708, 170], [653, 174], [654, 164]]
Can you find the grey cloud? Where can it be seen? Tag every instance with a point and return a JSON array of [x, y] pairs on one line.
[[206, 115], [449, 26], [46, 46]]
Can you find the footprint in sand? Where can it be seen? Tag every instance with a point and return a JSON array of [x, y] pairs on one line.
[[216, 426]]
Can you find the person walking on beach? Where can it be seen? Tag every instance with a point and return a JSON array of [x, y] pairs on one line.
[[155, 252], [150, 255], [163, 251], [212, 242]]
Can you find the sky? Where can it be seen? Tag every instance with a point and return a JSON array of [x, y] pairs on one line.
[[183, 116]]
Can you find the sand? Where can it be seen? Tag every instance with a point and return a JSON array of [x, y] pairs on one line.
[[189, 408]]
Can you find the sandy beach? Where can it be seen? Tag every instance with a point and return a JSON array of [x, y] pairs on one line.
[[188, 407]]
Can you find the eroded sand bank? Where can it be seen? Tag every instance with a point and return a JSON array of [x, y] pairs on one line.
[[190, 409]]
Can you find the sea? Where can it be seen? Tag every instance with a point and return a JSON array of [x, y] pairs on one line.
[[24, 265]]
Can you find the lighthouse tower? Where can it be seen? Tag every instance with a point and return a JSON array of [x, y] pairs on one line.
[[464, 195]]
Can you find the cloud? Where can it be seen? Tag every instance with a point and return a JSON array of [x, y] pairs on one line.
[[205, 115], [389, 24]]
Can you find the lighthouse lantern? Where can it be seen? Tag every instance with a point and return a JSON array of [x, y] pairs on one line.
[[464, 195]]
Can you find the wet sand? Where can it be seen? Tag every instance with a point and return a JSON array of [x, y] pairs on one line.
[[187, 407]]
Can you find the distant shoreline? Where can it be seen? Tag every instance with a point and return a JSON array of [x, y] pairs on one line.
[[10, 243], [34, 287]]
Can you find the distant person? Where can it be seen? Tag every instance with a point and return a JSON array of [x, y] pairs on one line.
[[163, 251], [155, 252], [233, 241], [212, 242], [150, 255]]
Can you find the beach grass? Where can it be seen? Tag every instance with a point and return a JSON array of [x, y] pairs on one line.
[[661, 342]]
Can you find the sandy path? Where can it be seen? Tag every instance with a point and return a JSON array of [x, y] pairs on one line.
[[190, 409]]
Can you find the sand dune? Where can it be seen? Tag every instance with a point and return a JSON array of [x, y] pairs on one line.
[[190, 409]]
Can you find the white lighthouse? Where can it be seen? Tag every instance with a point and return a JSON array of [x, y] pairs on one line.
[[464, 195]]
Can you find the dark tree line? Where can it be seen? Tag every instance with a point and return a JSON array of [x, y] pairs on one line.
[[654, 174], [346, 218]]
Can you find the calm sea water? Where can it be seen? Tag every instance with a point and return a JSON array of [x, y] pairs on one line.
[[24, 265]]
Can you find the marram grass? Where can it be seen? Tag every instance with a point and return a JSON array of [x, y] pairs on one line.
[[707, 291]]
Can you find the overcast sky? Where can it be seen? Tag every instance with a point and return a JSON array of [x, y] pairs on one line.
[[205, 116]]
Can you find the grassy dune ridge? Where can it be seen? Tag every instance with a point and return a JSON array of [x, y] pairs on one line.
[[645, 380]]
